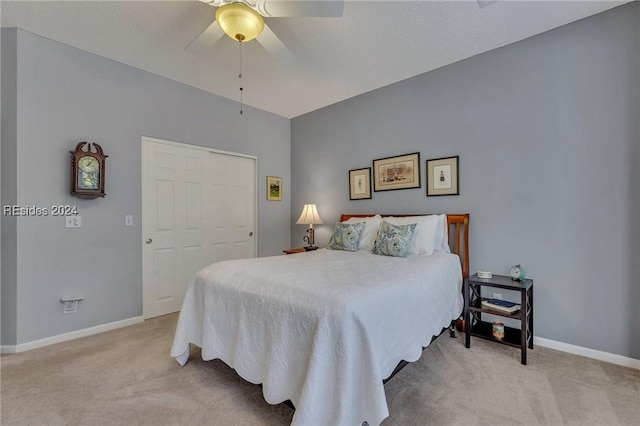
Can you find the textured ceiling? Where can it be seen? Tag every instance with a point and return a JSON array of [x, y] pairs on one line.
[[374, 44]]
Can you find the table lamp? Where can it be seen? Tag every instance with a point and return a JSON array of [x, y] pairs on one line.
[[309, 217]]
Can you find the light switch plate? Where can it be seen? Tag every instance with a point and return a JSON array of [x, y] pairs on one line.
[[128, 220]]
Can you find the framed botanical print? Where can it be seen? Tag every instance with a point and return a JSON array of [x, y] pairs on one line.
[[274, 188], [399, 172], [360, 184], [443, 177]]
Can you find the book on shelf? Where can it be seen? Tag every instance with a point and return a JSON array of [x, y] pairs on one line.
[[501, 305]]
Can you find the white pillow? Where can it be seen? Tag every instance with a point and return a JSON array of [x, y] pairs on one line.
[[370, 232], [442, 237], [427, 235]]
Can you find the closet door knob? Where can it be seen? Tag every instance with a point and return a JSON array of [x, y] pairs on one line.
[[149, 241]]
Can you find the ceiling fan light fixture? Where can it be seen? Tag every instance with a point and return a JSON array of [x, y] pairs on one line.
[[239, 21]]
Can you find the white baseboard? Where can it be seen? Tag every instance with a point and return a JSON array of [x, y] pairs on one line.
[[586, 352], [65, 337], [538, 341]]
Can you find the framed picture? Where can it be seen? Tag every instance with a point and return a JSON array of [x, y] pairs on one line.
[[443, 176], [274, 188], [400, 172], [360, 184]]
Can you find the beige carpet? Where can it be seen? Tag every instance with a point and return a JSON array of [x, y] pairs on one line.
[[126, 377]]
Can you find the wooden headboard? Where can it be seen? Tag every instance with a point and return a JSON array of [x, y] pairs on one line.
[[458, 239]]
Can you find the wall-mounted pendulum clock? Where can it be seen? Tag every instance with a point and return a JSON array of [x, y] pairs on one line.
[[87, 171]]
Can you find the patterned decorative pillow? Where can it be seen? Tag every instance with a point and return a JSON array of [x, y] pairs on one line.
[[393, 240], [370, 232], [346, 236]]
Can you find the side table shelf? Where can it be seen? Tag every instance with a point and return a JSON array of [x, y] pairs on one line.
[[473, 309]]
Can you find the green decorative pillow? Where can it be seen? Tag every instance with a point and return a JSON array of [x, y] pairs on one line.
[[393, 240], [346, 236]]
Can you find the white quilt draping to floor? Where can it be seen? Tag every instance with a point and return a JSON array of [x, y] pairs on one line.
[[321, 328]]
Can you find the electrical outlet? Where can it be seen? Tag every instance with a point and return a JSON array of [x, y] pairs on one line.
[[72, 222], [70, 307], [497, 296]]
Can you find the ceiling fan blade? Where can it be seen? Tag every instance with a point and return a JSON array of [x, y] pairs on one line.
[[206, 39], [272, 44], [310, 8]]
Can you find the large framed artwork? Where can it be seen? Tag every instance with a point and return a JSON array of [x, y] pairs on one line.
[[443, 177], [274, 188], [360, 184], [399, 172]]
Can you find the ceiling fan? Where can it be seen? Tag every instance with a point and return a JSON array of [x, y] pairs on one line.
[[242, 20]]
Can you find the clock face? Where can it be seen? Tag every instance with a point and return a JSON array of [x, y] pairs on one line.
[[518, 273], [88, 164], [88, 173]]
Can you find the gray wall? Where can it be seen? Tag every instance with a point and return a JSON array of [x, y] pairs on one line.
[[8, 135], [64, 96], [547, 132]]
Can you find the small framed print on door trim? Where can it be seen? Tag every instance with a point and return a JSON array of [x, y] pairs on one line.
[[274, 188]]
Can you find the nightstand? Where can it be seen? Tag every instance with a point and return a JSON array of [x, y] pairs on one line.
[[294, 250], [473, 310]]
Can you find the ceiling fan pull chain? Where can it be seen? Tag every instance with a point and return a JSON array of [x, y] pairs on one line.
[[240, 75]]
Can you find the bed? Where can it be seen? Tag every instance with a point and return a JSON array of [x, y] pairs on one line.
[[323, 329]]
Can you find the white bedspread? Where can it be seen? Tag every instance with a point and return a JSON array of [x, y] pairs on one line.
[[322, 328]]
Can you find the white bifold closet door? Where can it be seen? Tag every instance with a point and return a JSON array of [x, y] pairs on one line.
[[198, 207]]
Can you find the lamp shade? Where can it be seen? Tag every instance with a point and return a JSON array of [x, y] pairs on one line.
[[239, 21], [309, 216]]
